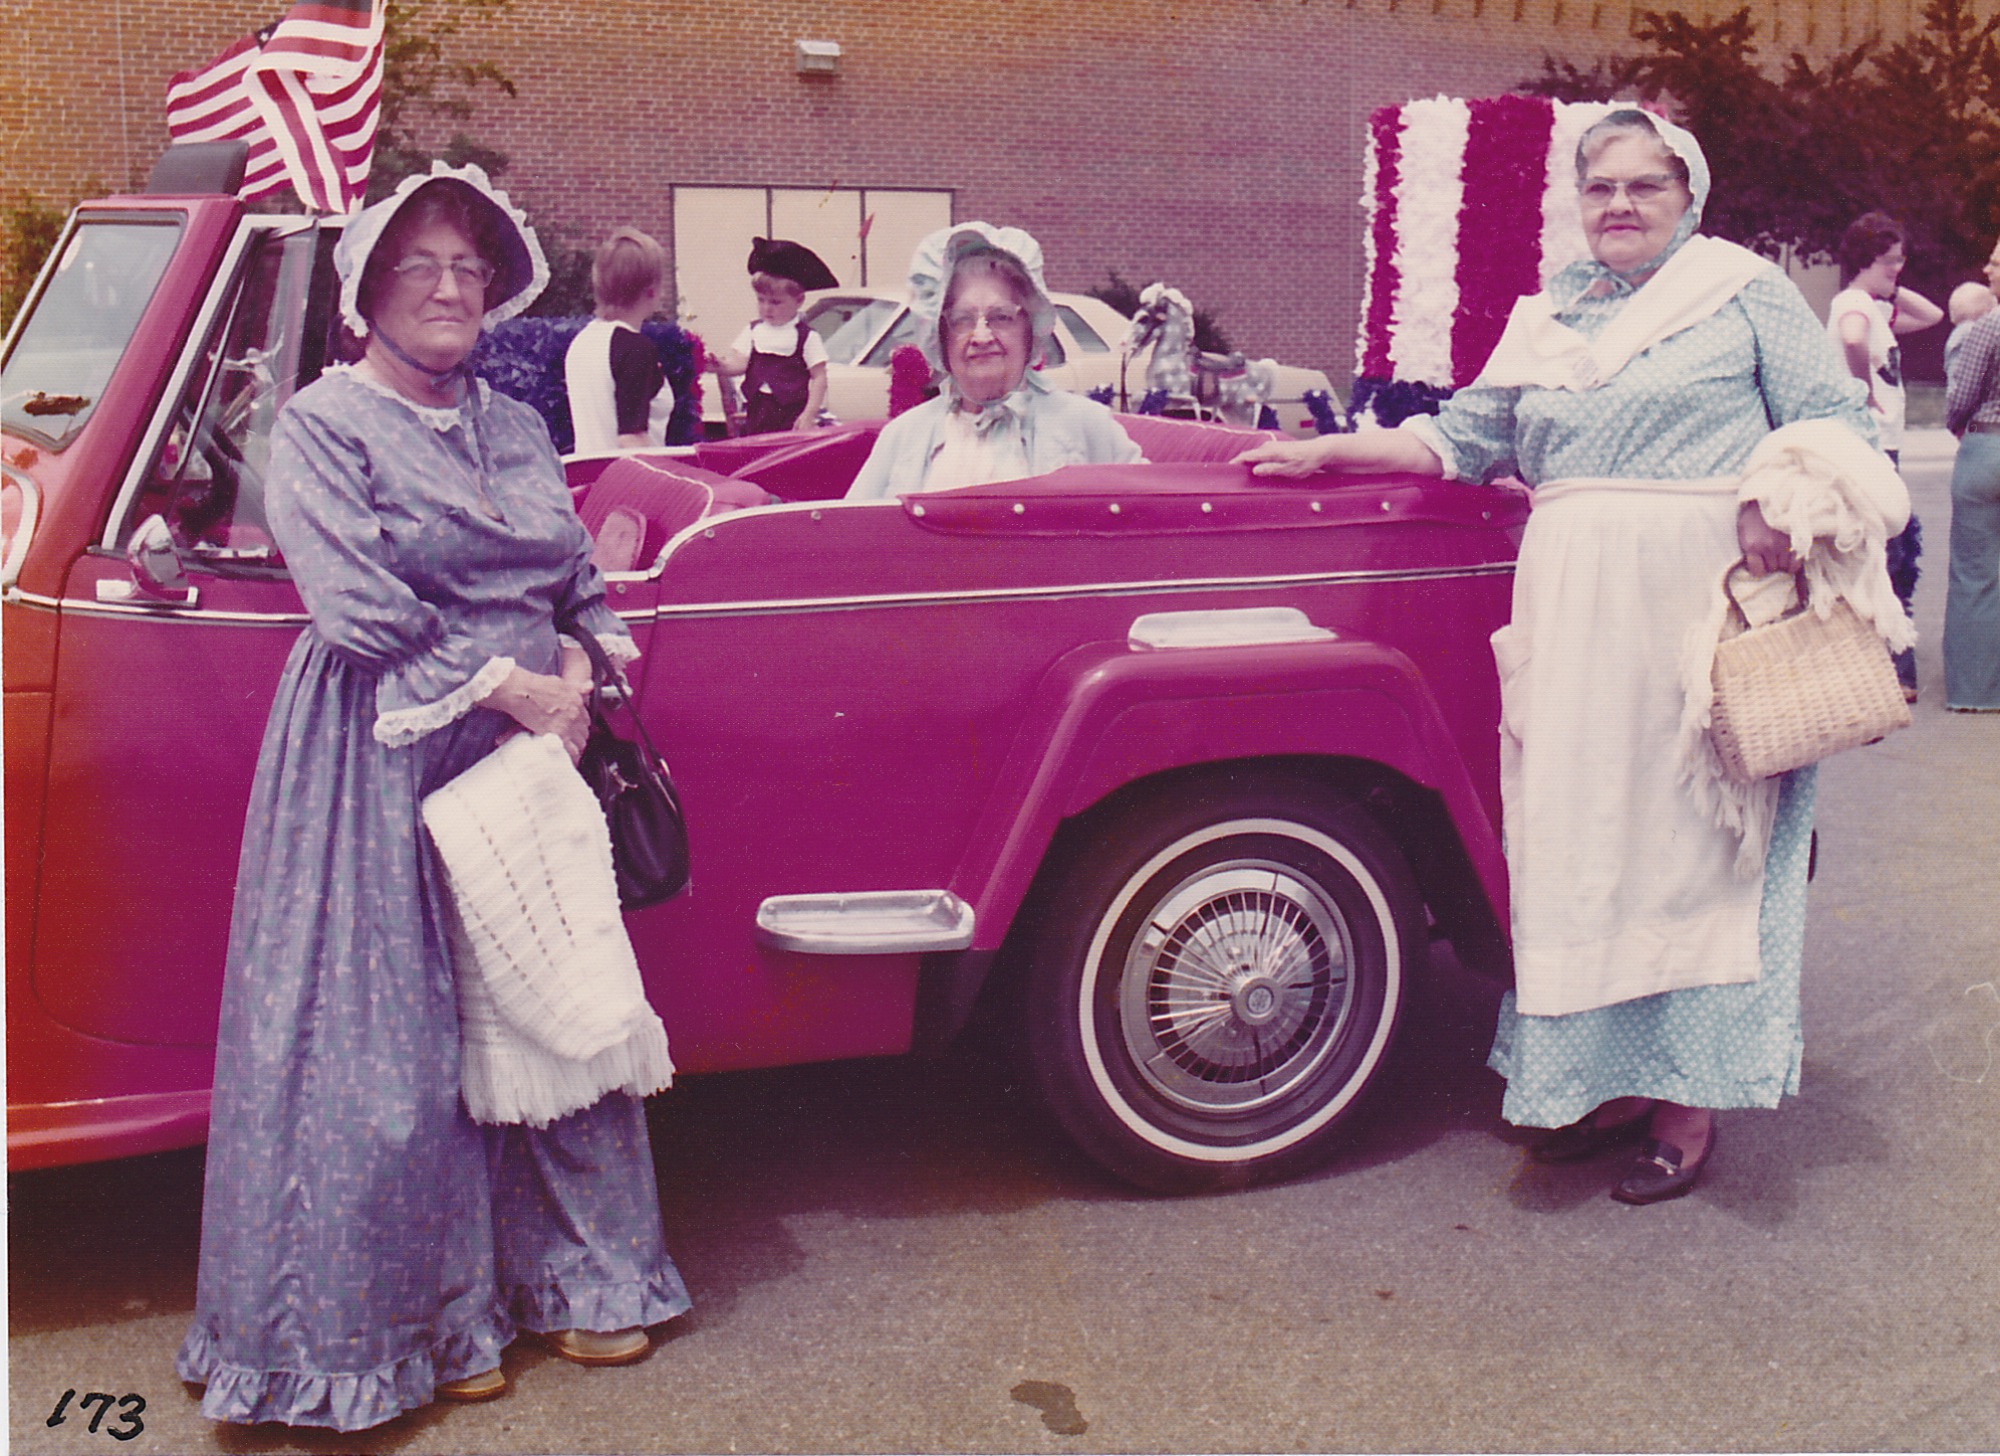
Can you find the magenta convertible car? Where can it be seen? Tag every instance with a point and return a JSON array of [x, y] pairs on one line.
[[1190, 765]]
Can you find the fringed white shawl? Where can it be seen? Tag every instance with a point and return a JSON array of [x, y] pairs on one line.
[[552, 1013], [1840, 501]]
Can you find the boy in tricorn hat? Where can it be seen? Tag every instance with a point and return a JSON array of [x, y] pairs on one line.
[[783, 363]]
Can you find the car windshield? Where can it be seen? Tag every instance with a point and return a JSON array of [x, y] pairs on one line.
[[1087, 338], [65, 352], [863, 321]]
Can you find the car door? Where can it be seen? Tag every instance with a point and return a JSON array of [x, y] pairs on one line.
[[160, 696]]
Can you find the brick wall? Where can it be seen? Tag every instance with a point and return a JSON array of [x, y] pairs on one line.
[[1213, 143]]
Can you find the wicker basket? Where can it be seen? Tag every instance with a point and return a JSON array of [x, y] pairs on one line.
[[1798, 689]]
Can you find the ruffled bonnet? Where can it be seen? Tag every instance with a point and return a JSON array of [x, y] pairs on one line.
[[524, 271], [940, 253]]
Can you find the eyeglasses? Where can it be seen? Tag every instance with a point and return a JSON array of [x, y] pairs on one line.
[[421, 270], [965, 320], [1598, 191]]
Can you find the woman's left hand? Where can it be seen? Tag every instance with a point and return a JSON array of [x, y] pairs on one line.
[[1765, 549]]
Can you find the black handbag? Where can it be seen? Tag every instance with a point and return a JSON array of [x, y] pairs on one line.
[[649, 842]]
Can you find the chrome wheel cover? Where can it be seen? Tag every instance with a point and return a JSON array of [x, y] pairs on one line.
[[1236, 989]]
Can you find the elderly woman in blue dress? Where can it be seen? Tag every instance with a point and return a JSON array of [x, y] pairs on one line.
[[1656, 949], [366, 1248], [984, 317]]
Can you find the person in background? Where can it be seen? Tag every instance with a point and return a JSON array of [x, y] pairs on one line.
[[619, 398], [366, 1248], [1972, 600], [983, 318], [1657, 949], [783, 362], [1870, 313], [1969, 303]]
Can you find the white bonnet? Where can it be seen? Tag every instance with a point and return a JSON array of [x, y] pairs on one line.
[[939, 254], [523, 274]]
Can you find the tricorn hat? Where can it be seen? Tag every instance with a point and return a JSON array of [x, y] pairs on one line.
[[782, 258]]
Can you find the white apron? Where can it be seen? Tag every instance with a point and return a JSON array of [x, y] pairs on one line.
[[1622, 885]]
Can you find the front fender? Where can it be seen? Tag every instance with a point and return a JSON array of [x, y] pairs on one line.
[[1108, 714]]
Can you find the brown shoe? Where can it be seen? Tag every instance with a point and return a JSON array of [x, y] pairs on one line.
[[486, 1385], [593, 1347]]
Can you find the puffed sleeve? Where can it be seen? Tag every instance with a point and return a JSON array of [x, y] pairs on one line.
[[523, 449], [325, 522], [901, 453], [1107, 441], [1799, 370], [1473, 434]]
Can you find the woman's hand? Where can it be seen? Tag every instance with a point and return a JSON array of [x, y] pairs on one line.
[[544, 704], [1383, 450], [1291, 458], [1764, 550]]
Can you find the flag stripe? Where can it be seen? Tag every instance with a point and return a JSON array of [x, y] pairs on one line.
[[306, 96]]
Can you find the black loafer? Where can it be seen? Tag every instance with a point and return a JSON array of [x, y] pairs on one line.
[[1585, 1139], [1660, 1173]]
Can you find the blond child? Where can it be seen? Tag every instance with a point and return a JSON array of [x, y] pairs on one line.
[[783, 362], [619, 397]]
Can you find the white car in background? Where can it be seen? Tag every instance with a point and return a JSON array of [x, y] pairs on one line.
[[862, 327]]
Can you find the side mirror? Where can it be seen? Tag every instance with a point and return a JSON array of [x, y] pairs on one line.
[[158, 579], [156, 564]]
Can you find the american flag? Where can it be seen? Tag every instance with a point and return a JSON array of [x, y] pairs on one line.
[[304, 92]]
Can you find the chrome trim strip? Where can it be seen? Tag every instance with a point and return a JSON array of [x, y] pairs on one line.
[[13, 596], [866, 922], [646, 616], [781, 606], [167, 612], [1223, 627]]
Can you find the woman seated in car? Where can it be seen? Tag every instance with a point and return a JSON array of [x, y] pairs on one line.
[[983, 318]]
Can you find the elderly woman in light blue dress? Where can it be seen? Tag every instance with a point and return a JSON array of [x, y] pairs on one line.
[[1656, 974], [365, 1247], [984, 317]]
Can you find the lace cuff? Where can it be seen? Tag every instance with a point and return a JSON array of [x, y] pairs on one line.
[[617, 646], [402, 726]]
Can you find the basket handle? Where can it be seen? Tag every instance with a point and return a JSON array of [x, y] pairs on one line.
[[1736, 612]]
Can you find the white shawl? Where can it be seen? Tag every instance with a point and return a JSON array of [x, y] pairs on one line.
[[1537, 350], [552, 1013]]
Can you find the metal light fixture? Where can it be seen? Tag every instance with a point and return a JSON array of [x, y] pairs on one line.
[[816, 57]]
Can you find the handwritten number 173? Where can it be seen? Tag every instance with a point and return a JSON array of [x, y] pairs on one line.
[[129, 1407]]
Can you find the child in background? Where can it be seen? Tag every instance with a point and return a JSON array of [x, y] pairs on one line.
[[1969, 302], [783, 363], [619, 397]]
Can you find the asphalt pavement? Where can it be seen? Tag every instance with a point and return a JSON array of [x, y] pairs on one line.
[[902, 1256]]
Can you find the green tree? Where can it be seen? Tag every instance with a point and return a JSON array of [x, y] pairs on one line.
[[1911, 129], [1707, 76], [28, 230], [427, 88]]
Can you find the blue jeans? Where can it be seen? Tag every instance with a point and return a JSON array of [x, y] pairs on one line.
[[1972, 602]]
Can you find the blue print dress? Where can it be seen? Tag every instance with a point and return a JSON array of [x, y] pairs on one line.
[[1688, 409], [362, 1239]]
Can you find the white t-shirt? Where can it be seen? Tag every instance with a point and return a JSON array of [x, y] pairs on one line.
[[1885, 358], [616, 387], [780, 339]]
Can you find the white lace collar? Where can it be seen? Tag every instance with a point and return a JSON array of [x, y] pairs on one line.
[[439, 417]]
